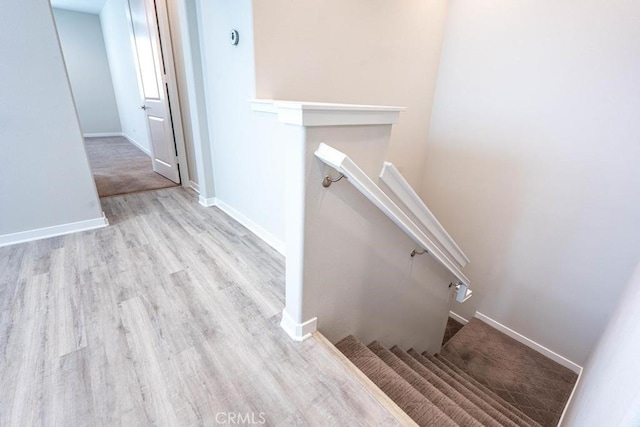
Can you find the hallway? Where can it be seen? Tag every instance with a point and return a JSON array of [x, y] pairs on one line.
[[119, 167], [167, 317]]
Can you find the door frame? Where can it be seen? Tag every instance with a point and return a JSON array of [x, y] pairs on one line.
[[167, 58]]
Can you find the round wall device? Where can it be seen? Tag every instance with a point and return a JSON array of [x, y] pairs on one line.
[[235, 37]]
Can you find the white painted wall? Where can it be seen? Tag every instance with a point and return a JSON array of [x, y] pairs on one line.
[[361, 52], [532, 161], [326, 51], [247, 162], [359, 276], [45, 179], [117, 38], [88, 68], [86, 6], [608, 392]]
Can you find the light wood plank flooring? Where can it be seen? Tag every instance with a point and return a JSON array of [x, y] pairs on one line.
[[167, 317]]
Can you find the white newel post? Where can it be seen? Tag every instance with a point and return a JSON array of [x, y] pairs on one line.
[[360, 131]]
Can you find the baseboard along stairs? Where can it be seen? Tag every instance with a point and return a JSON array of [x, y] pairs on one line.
[[480, 378]]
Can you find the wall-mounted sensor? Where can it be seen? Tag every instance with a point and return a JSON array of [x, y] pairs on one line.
[[235, 37]]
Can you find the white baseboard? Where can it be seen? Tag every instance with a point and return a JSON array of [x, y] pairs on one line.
[[256, 229], [195, 186], [458, 318], [56, 230], [137, 144], [101, 135], [298, 331], [530, 343], [573, 392], [207, 202]]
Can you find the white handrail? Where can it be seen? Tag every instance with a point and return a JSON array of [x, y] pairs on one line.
[[343, 164], [393, 179]]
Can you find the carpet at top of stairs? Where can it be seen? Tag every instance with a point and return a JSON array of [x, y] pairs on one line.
[[119, 167], [531, 382]]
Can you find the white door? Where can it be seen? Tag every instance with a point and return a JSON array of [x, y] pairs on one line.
[[155, 102]]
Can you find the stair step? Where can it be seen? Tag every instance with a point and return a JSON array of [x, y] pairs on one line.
[[483, 387], [435, 396], [470, 402], [477, 388], [416, 405]]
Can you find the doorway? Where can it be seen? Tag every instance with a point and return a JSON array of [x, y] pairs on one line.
[[120, 82]]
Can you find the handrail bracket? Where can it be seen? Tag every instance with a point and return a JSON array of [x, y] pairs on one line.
[[463, 293], [327, 181], [418, 252]]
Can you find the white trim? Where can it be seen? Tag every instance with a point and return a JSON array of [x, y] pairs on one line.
[[573, 392], [343, 164], [298, 331], [101, 134], [327, 114], [195, 186], [55, 230], [208, 202], [529, 343], [256, 229], [399, 186], [193, 95], [458, 318], [137, 144], [263, 105]]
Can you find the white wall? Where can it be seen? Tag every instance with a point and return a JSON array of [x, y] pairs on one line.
[[325, 51], [117, 38], [247, 163], [86, 60], [532, 161], [361, 52], [45, 179], [359, 276], [608, 392]]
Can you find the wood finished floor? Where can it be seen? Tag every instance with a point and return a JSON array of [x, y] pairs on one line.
[[167, 317]]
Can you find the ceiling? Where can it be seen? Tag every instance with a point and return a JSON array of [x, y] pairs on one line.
[[86, 6]]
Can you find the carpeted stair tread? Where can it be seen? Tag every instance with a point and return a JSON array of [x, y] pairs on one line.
[[484, 388], [455, 370], [470, 402], [416, 405], [435, 396], [475, 387]]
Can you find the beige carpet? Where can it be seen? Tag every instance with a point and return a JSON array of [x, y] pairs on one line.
[[414, 403], [432, 395], [119, 167], [534, 384]]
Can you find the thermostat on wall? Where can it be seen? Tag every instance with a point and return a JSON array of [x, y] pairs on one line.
[[235, 37]]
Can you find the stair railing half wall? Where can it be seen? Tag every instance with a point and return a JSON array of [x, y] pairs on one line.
[[345, 166]]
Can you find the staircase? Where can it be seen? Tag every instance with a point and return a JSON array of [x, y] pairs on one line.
[[435, 391], [430, 389]]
